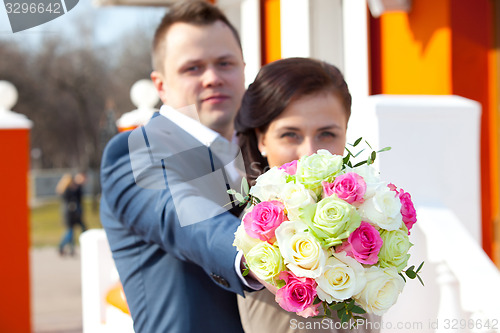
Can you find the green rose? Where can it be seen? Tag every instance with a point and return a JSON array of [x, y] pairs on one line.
[[331, 220], [322, 166], [394, 251], [265, 261]]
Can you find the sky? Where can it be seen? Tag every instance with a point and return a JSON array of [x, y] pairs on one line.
[[107, 23]]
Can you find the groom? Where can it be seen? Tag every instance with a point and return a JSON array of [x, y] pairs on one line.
[[164, 184]]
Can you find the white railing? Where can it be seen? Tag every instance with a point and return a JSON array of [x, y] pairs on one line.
[[436, 157], [99, 276]]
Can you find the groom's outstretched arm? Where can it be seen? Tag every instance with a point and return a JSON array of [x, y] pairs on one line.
[[151, 214]]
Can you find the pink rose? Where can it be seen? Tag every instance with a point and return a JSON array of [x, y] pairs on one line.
[[363, 244], [407, 209], [262, 221], [290, 168], [327, 189], [349, 187], [297, 294], [310, 311]]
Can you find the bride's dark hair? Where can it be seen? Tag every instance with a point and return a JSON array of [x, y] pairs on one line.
[[278, 84]]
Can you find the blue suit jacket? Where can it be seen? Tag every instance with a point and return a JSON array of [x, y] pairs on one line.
[[176, 278]]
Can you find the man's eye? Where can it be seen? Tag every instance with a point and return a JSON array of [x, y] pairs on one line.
[[192, 69]]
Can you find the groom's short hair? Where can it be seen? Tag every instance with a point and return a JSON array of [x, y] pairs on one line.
[[192, 12]]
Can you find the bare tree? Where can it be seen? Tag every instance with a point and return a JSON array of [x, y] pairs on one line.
[[67, 89]]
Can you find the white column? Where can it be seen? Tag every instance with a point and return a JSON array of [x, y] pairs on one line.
[[356, 47], [312, 28], [327, 37], [250, 38], [244, 15], [355, 41], [231, 9], [295, 28]]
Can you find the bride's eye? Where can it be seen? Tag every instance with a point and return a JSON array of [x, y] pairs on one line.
[[327, 134], [290, 135]]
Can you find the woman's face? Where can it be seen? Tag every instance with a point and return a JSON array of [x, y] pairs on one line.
[[312, 122]]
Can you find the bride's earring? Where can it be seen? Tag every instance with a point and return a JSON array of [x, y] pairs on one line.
[[263, 153]]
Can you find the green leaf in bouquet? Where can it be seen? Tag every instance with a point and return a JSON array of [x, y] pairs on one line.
[[360, 163], [280, 283], [348, 152], [359, 152], [316, 300], [368, 145], [419, 267], [384, 149], [257, 200], [344, 316], [231, 191], [346, 159], [411, 274], [349, 164], [359, 318], [357, 142], [337, 306], [290, 178], [373, 156], [244, 201], [420, 279], [246, 271], [239, 197], [340, 313], [328, 312], [402, 276], [245, 188], [350, 305], [357, 309]]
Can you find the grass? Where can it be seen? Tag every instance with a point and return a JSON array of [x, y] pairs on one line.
[[47, 226]]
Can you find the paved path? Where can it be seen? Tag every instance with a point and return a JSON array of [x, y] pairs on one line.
[[56, 303]]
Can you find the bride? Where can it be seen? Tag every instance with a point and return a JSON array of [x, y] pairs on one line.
[[294, 107]]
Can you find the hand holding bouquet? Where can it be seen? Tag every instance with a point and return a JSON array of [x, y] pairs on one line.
[[327, 233]]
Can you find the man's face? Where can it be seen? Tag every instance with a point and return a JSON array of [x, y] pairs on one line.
[[204, 66]]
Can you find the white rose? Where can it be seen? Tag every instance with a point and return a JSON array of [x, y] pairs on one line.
[[243, 241], [381, 291], [302, 252], [269, 184], [371, 177], [383, 209], [342, 278], [296, 196]]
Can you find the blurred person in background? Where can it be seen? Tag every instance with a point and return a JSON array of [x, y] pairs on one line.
[[70, 190]]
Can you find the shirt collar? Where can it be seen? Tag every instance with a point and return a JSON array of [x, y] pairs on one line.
[[199, 131]]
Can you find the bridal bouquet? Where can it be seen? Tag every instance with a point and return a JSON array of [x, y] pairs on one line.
[[327, 233]]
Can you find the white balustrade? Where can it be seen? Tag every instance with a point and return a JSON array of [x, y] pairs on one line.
[[435, 156]]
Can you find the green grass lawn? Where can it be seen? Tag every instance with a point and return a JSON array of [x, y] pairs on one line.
[[47, 227]]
